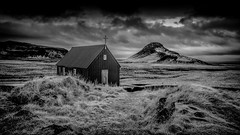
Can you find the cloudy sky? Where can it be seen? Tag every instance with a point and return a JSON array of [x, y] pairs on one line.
[[208, 31]]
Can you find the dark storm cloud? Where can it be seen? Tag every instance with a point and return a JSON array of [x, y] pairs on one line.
[[157, 29], [122, 39], [227, 28], [46, 9], [9, 30], [222, 42], [128, 25], [135, 22], [226, 13], [141, 26], [221, 23], [226, 9], [64, 9], [54, 32], [228, 24], [50, 9], [123, 8]]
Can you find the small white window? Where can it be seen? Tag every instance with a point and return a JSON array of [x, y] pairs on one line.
[[74, 71], [104, 57]]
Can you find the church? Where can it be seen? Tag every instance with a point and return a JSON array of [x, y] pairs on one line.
[[94, 63]]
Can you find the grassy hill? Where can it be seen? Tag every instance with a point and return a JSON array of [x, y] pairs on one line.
[[66, 105], [12, 50]]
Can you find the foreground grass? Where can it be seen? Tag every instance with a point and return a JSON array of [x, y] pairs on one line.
[[66, 105]]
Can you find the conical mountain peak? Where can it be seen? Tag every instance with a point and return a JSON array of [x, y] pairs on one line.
[[153, 45], [156, 52]]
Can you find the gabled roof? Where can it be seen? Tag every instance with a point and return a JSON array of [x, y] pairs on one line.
[[81, 57]]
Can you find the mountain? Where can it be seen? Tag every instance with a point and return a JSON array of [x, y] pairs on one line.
[[156, 53], [13, 50]]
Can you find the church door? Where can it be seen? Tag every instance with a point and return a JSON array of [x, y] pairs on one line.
[[105, 76], [63, 70]]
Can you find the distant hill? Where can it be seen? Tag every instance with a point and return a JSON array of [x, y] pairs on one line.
[[13, 50], [156, 53]]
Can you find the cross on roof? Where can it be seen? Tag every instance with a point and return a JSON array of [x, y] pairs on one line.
[[105, 38]]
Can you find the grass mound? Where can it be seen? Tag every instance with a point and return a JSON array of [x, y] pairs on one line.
[[195, 109], [66, 105]]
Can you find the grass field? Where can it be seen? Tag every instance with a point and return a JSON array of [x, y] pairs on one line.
[[65, 105], [147, 75], [173, 99], [15, 72]]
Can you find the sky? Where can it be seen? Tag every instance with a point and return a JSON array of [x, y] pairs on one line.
[[203, 30]]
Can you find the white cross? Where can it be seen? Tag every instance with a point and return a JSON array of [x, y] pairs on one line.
[[105, 39]]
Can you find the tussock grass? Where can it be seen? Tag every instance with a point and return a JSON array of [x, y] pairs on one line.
[[194, 109], [67, 105]]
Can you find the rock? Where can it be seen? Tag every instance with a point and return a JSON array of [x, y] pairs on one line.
[[174, 129], [199, 114]]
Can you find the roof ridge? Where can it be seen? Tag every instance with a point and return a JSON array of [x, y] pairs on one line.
[[88, 46]]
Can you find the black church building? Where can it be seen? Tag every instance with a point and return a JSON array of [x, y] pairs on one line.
[[94, 63]]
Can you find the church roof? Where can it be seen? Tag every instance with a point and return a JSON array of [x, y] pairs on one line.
[[80, 57]]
